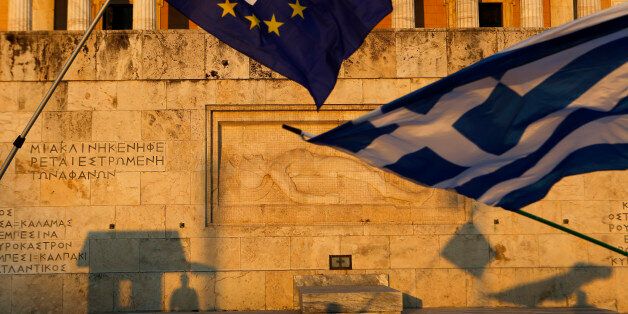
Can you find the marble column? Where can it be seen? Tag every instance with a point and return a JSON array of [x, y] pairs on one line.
[[20, 15], [79, 14], [587, 7], [403, 14], [467, 13], [145, 14], [531, 13]]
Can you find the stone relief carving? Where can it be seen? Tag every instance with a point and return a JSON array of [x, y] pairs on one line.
[[308, 176]]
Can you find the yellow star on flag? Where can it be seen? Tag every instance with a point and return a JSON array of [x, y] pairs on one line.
[[273, 25], [227, 8], [297, 9], [254, 20]]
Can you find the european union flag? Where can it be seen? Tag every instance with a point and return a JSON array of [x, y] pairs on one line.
[[304, 40]]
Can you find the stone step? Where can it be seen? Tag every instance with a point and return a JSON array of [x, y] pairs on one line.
[[350, 299]]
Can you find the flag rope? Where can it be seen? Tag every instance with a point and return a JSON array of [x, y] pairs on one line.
[[19, 141]]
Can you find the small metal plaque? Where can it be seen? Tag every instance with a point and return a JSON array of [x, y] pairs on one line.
[[340, 262]]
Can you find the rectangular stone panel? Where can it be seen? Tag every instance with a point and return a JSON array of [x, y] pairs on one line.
[[37, 294], [215, 254], [76, 294], [5, 294], [118, 55], [261, 174], [114, 255], [239, 291], [164, 255], [421, 53]]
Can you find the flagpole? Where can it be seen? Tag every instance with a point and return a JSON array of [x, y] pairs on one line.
[[19, 141], [570, 231]]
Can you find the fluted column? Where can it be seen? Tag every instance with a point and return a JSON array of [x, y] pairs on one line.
[[531, 13], [586, 7], [403, 14], [20, 15], [79, 14], [467, 13], [144, 14]]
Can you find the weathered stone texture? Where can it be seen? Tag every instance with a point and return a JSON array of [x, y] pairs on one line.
[[368, 252], [240, 290], [165, 125], [407, 251], [422, 54], [118, 55], [114, 255], [215, 254], [224, 62], [5, 294], [39, 293], [67, 126], [76, 293], [145, 221], [313, 252], [97, 95], [183, 51], [350, 299], [270, 253], [123, 189], [152, 257], [240, 213], [470, 46], [279, 290], [376, 58]]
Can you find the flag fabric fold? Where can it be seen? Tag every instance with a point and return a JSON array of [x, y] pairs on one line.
[[304, 40], [506, 129]]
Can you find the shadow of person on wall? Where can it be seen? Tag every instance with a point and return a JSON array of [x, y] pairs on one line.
[[184, 298], [128, 271], [556, 288]]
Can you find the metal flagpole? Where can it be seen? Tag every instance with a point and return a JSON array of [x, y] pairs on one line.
[[552, 224], [19, 141], [570, 231]]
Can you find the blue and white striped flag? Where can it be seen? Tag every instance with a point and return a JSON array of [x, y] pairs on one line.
[[507, 128]]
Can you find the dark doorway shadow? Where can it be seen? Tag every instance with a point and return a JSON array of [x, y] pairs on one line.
[[556, 288], [127, 269]]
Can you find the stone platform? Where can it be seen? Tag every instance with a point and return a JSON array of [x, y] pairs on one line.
[[350, 299]]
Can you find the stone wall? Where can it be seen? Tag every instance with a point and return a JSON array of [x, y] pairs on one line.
[[158, 178]]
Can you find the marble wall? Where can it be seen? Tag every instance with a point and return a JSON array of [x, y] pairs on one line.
[[159, 178]]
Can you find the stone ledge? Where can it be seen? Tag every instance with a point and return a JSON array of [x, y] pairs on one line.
[[350, 299]]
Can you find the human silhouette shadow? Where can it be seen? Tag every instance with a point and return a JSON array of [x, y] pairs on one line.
[[118, 283], [556, 288], [184, 298]]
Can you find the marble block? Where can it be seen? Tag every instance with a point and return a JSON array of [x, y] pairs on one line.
[[350, 299]]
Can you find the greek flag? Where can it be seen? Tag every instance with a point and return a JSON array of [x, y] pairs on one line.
[[507, 128]]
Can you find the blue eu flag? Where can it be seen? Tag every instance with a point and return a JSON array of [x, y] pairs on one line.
[[304, 40]]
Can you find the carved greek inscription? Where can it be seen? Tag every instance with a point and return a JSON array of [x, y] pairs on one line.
[[36, 245], [91, 160], [618, 222]]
